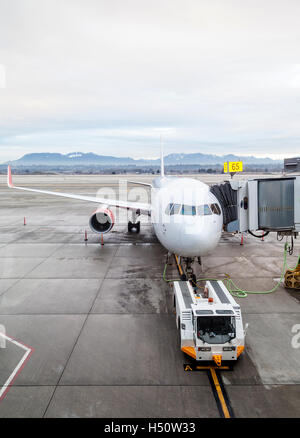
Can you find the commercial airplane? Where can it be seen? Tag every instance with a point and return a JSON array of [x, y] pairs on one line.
[[187, 218]]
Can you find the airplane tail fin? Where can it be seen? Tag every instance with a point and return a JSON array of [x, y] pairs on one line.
[[9, 178], [162, 166]]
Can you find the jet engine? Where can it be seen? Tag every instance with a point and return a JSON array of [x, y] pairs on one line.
[[102, 221]]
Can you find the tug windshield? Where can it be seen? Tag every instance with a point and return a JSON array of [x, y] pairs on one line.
[[216, 329]]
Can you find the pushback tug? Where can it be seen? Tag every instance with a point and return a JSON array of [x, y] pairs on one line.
[[210, 323]]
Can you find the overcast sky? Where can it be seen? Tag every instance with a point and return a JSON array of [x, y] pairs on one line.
[[110, 76]]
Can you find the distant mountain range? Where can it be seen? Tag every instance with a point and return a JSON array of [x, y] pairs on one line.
[[90, 159]]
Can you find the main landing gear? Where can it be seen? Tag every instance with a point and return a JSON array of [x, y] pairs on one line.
[[133, 224]]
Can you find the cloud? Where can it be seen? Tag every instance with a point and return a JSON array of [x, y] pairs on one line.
[[220, 76]]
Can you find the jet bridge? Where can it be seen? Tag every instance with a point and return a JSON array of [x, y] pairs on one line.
[[269, 204]]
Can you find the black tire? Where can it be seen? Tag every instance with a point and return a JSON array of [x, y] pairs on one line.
[[136, 226], [179, 334]]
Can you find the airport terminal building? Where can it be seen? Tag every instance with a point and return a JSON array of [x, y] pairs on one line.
[[292, 164]]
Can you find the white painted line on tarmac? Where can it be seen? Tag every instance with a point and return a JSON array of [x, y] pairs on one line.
[[18, 368]]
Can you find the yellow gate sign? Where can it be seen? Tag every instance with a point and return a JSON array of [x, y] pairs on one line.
[[235, 166], [225, 167]]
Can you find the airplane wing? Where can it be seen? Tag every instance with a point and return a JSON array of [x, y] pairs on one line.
[[144, 208], [140, 183]]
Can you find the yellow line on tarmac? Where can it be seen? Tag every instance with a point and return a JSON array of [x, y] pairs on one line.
[[220, 393]]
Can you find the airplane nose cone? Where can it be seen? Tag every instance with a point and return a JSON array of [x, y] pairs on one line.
[[193, 235], [196, 241]]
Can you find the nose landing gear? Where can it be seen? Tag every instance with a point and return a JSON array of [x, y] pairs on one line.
[[188, 261], [187, 272]]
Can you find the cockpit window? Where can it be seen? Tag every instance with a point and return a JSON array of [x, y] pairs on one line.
[[169, 208], [173, 209], [188, 210], [203, 210], [215, 209], [191, 210], [200, 210]]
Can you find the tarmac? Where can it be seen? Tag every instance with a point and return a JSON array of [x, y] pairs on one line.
[[90, 329]]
